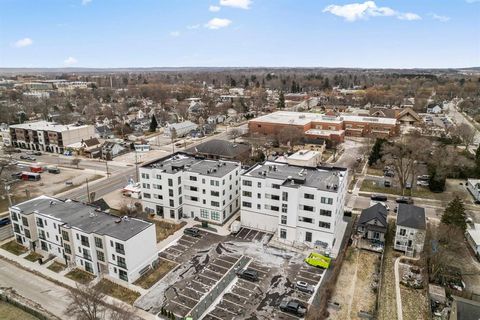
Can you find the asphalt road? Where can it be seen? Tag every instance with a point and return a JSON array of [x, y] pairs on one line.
[[459, 118], [51, 296]]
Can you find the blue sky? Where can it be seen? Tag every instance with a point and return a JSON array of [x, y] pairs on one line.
[[291, 33]]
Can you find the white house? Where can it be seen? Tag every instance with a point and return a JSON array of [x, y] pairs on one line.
[[473, 185], [83, 236], [410, 231], [182, 186], [473, 237], [302, 205]]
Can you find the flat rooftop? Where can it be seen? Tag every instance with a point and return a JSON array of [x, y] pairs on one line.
[[84, 217], [47, 126], [321, 178], [304, 155], [303, 118], [184, 162]]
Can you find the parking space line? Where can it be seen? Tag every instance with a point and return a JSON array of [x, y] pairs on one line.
[[241, 297], [199, 283], [288, 314], [180, 304], [172, 248], [220, 274], [189, 237], [190, 298], [257, 270], [192, 242], [238, 305], [203, 275], [193, 289], [309, 280], [231, 312], [216, 265], [245, 237], [214, 316], [313, 273], [226, 261]]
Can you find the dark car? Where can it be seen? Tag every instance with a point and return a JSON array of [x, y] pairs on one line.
[[192, 232], [406, 200], [387, 183], [4, 221], [378, 197], [248, 274], [389, 173], [293, 307]]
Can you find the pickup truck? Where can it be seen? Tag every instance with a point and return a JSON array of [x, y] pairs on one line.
[[293, 307]]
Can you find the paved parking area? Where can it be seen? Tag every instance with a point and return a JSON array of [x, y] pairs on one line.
[[252, 235]]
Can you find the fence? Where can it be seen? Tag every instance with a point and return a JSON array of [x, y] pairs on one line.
[[199, 309], [36, 313]]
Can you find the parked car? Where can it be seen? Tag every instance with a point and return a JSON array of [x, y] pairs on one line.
[[387, 183], [423, 183], [408, 186], [389, 174], [4, 221], [423, 177], [406, 200], [378, 197], [192, 232], [53, 170], [293, 307], [304, 287], [29, 158], [248, 274]]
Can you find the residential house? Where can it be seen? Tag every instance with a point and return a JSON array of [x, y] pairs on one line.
[[473, 185], [372, 223], [435, 110], [104, 132], [473, 237], [181, 129], [91, 147], [410, 230], [110, 150]]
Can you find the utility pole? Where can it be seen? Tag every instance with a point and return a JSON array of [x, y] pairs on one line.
[[88, 191], [7, 190], [106, 165], [136, 166]]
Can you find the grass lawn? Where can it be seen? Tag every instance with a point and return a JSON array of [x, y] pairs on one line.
[[80, 276], [56, 267], [117, 291], [154, 275], [164, 229], [375, 172], [10, 312], [418, 192], [33, 256], [414, 303], [14, 247]]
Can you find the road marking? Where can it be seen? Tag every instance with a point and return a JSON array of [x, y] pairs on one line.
[[180, 304], [309, 280], [190, 298], [214, 316], [226, 261], [218, 307], [203, 275], [245, 237], [200, 284], [238, 305], [220, 274]]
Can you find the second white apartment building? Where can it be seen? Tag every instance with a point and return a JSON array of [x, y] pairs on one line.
[[302, 205], [81, 235], [183, 186]]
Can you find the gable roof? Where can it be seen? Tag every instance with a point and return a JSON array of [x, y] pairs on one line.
[[409, 111], [91, 142], [377, 211], [411, 216]]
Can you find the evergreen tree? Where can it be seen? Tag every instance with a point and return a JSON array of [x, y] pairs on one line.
[[281, 101], [376, 153], [454, 214], [153, 124]]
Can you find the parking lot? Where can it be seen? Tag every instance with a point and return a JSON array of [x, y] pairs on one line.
[[205, 260]]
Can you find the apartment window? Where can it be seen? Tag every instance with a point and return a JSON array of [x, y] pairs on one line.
[[44, 246], [122, 275], [308, 196], [326, 213], [215, 193], [67, 248], [246, 204], [259, 206], [159, 177], [259, 184], [88, 267], [193, 189], [172, 203], [275, 186], [65, 235], [284, 207], [119, 248], [247, 183], [203, 214], [158, 196], [170, 182], [14, 216], [195, 199], [27, 233], [308, 208], [170, 192], [25, 221], [325, 225], [215, 203], [285, 196], [215, 216], [146, 185], [147, 195], [16, 228], [86, 254], [247, 194], [157, 186], [39, 222], [203, 181], [98, 243], [283, 233], [179, 180], [283, 219], [326, 200], [259, 195], [308, 236], [305, 219], [85, 241], [193, 178], [145, 176], [100, 256], [121, 263], [172, 214], [403, 232]]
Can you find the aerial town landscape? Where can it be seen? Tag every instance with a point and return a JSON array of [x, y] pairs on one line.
[[229, 191]]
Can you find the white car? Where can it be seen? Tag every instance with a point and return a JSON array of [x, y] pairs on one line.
[[422, 183]]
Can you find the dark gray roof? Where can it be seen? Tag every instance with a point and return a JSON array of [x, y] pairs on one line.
[[467, 309], [322, 178], [184, 162], [84, 217], [377, 211], [411, 216], [221, 148]]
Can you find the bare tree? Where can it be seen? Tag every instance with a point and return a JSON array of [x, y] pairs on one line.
[[466, 133], [290, 136], [234, 133], [76, 162]]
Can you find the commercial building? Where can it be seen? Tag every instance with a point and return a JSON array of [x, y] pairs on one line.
[[48, 136], [319, 127], [302, 205], [182, 185], [180, 129], [222, 149], [83, 236]]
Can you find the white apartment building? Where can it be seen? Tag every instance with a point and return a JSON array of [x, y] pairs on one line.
[[183, 186], [81, 235], [302, 205], [48, 136]]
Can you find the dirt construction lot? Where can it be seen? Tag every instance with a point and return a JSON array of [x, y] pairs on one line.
[[204, 261]]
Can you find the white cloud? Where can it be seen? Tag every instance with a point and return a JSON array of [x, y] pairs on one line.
[[439, 17], [175, 33], [214, 8], [70, 61], [22, 43], [242, 4], [356, 11], [194, 26], [217, 23], [85, 2]]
